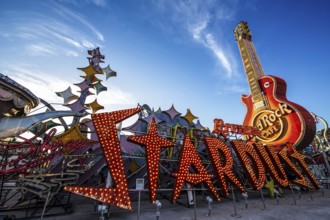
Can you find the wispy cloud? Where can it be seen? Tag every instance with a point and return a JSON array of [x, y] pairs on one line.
[[40, 49], [116, 96], [203, 21], [60, 31], [49, 49], [101, 3], [31, 77], [60, 9], [208, 41], [68, 40]]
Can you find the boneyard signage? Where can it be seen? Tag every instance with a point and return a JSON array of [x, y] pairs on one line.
[[256, 159]]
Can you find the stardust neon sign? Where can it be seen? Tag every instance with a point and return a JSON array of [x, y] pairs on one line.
[[256, 160]]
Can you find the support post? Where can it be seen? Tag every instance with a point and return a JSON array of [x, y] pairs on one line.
[[263, 199], [139, 204], [195, 216], [234, 203], [293, 196]]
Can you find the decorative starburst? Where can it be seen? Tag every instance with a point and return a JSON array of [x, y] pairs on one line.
[[67, 95], [108, 72], [189, 116], [172, 112], [95, 106], [153, 144]]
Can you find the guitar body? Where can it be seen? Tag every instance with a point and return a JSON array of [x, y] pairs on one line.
[[278, 119]]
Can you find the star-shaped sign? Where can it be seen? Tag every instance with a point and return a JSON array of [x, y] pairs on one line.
[[108, 72], [67, 95], [89, 70], [199, 125], [95, 106], [95, 52], [99, 87], [76, 106], [271, 187], [189, 116], [153, 143], [152, 116], [172, 112], [83, 85]]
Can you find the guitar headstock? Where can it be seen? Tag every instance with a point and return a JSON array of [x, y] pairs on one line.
[[242, 31]]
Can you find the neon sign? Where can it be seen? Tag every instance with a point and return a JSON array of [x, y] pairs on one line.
[[105, 125], [225, 129], [270, 122], [41, 152]]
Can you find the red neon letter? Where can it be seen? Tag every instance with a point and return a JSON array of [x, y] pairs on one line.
[[244, 152], [223, 172], [272, 163], [301, 161], [189, 157], [105, 126]]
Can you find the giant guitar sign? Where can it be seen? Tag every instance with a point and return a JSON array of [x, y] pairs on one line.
[[278, 119]]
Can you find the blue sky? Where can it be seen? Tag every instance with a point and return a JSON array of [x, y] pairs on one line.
[[169, 52]]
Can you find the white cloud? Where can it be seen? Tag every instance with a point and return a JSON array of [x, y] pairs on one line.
[[219, 53], [116, 96], [87, 43], [33, 79], [198, 18], [71, 53], [78, 17], [198, 29], [101, 3], [64, 32], [67, 40], [40, 49]]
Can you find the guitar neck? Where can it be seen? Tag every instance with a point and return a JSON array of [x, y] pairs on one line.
[[250, 59]]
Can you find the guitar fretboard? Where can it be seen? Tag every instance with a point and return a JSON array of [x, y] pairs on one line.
[[252, 67]]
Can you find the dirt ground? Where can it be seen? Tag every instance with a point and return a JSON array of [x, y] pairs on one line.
[[303, 205]]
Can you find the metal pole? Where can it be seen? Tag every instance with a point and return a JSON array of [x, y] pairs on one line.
[[5, 157], [209, 201], [232, 192], [325, 136], [195, 217], [157, 213], [276, 194], [294, 198], [138, 216], [44, 209], [325, 158], [262, 197], [310, 194], [245, 195]]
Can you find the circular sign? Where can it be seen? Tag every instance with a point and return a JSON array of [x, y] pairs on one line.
[[270, 125]]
